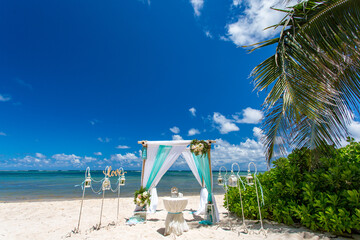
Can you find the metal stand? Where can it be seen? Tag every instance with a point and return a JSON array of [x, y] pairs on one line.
[[118, 202], [224, 185], [243, 226], [102, 205], [106, 185], [87, 174], [250, 182]]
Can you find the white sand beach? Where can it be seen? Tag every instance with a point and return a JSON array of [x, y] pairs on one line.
[[55, 220]]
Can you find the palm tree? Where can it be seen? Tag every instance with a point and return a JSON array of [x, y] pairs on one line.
[[313, 76]]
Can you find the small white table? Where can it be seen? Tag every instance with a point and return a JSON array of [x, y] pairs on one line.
[[175, 222]]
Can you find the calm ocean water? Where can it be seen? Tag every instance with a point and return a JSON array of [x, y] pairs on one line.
[[60, 185]]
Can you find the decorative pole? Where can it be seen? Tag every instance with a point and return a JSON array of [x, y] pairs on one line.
[[85, 184], [249, 178], [241, 202], [144, 156], [105, 186], [226, 192], [121, 182], [210, 203]]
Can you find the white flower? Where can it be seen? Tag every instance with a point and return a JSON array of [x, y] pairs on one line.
[[144, 194], [142, 204], [138, 200], [201, 146]]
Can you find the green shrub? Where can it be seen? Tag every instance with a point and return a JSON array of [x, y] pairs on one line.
[[318, 188]]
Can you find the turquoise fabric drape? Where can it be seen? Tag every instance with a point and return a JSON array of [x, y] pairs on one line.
[[198, 165], [202, 164], [161, 155], [144, 153]]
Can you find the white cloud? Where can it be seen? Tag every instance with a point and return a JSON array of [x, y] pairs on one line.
[[2, 134], [193, 111], [89, 159], [223, 124], [249, 116], [4, 98], [127, 156], [106, 140], [177, 137], [257, 15], [197, 5], [94, 121], [40, 155], [24, 84], [30, 161], [128, 160], [258, 133], [236, 2], [122, 147], [145, 2], [225, 153], [193, 132], [208, 34], [98, 153], [175, 130], [67, 158], [354, 130]]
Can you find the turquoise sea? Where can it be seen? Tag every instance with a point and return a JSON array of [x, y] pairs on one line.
[[60, 185]]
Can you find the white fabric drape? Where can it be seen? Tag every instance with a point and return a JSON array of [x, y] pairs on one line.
[[203, 192], [149, 163], [170, 159], [203, 200], [190, 161]]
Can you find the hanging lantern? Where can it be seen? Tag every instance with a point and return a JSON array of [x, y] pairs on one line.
[[87, 182], [88, 178], [106, 184], [250, 179], [122, 180], [232, 182], [220, 180]]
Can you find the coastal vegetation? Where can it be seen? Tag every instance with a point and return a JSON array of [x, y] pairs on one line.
[[315, 188]]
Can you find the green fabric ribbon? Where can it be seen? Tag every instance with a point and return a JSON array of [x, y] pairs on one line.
[[161, 155]]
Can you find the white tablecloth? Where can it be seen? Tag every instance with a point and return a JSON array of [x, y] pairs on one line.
[[175, 222]]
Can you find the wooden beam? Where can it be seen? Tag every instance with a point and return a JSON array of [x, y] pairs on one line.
[[143, 142]]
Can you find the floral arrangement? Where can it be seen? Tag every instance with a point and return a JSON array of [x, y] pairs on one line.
[[199, 147], [142, 197]]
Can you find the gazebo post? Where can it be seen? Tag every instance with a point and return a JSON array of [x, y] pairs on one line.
[[142, 172], [211, 182], [143, 143]]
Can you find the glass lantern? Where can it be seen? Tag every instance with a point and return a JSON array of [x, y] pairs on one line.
[[106, 184], [250, 179], [87, 182], [174, 192], [232, 182], [209, 212], [220, 180], [122, 180]]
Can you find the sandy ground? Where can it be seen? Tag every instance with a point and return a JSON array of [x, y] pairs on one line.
[[56, 220]]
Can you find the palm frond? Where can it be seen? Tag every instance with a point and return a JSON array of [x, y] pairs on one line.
[[313, 75]]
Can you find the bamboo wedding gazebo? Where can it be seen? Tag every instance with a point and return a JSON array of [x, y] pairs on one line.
[[159, 156]]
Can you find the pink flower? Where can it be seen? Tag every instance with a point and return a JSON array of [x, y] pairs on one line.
[[139, 195]]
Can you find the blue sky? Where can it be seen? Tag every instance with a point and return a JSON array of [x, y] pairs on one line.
[[83, 81]]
